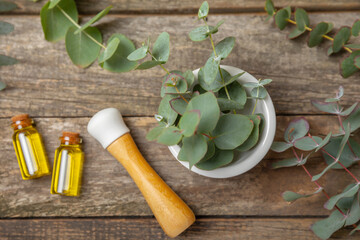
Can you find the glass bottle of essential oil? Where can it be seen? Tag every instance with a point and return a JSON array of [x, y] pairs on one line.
[[68, 165], [29, 148]]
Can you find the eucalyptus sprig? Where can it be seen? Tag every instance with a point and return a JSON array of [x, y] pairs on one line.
[[350, 64], [6, 28], [202, 116], [339, 151], [59, 19]]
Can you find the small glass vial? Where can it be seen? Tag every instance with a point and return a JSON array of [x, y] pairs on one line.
[[29, 148], [68, 165]]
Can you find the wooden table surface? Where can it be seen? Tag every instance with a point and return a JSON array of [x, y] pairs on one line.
[[60, 96]]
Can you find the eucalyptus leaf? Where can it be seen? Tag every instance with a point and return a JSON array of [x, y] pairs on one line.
[[280, 146], [6, 28], [93, 20], [169, 136], [217, 84], [251, 84], [324, 142], [341, 38], [265, 82], [354, 213], [254, 136], [258, 93], [53, 3], [355, 30], [326, 227], [109, 51], [236, 92], [296, 33], [174, 84], [347, 158], [165, 110], [6, 6], [269, 7], [317, 33], [154, 133], [6, 61], [54, 22], [189, 122], [2, 85], [231, 131], [307, 143], [219, 159], [209, 110], [328, 107], [210, 151], [347, 65], [224, 47], [118, 61], [178, 105], [193, 149], [148, 64], [357, 62], [161, 48], [289, 162], [354, 120], [330, 204], [302, 19], [353, 46], [81, 48], [215, 29], [211, 69], [339, 94], [226, 104], [203, 10], [281, 18], [200, 33], [349, 110], [290, 196], [297, 128]]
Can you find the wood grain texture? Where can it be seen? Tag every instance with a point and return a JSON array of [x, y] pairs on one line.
[[46, 83], [204, 228], [109, 191], [188, 6]]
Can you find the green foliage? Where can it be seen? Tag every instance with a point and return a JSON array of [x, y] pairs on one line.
[[6, 28], [93, 20], [348, 66], [204, 113], [339, 151]]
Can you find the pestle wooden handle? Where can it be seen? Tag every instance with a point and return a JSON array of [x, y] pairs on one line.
[[173, 215]]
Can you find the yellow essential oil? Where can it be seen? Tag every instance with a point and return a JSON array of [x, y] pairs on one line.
[[68, 165], [29, 148]]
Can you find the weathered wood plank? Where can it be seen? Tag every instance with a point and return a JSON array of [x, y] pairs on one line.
[[108, 190], [203, 228], [46, 83], [188, 6]]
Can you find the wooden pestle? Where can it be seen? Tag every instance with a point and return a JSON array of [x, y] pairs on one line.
[[172, 213]]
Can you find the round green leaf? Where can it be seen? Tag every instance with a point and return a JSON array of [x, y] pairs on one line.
[[138, 54], [226, 104], [93, 20], [200, 33], [203, 10], [236, 92], [219, 159], [357, 62], [254, 136], [281, 18], [341, 38], [224, 47], [6, 61], [7, 6], [119, 62], [289, 162], [302, 19], [54, 23], [297, 128], [295, 33], [6, 28], [148, 64], [355, 30], [269, 7], [154, 133], [353, 46], [347, 158], [258, 93], [109, 51], [215, 29], [210, 151], [189, 122], [316, 34], [326, 227], [217, 84], [193, 149], [211, 69], [178, 105], [2, 86], [81, 48], [308, 143], [173, 84], [161, 48], [165, 111], [231, 131], [347, 65], [169, 136], [209, 111], [280, 146]]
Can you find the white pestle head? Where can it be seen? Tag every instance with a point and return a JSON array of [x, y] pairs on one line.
[[106, 126]]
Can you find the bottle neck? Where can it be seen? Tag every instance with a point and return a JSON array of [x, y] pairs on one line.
[[20, 124]]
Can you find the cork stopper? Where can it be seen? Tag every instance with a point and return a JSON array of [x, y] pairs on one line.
[[21, 121], [71, 138], [20, 117]]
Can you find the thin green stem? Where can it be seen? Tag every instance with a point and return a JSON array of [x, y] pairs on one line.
[[162, 66], [253, 111], [78, 26]]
